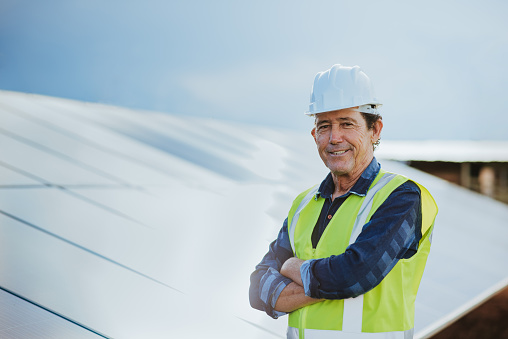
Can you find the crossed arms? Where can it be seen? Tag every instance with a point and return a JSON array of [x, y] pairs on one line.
[[278, 284]]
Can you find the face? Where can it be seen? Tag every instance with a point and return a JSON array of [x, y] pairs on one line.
[[344, 142]]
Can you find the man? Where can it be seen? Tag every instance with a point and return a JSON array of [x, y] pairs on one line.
[[349, 258]]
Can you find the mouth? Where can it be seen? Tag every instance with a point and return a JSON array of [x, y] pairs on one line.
[[338, 153]]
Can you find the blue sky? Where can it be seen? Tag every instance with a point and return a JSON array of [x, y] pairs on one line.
[[439, 67]]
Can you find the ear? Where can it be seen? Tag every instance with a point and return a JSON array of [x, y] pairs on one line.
[[376, 130], [313, 132]]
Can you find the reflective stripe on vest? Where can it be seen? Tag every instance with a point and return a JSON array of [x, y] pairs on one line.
[[303, 203], [294, 333], [353, 307]]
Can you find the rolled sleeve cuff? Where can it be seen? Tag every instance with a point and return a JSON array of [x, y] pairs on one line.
[[271, 287], [276, 314], [306, 273]]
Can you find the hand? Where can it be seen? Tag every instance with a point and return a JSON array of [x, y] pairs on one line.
[[291, 269], [293, 295]]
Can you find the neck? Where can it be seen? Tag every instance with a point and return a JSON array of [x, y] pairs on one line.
[[344, 182]]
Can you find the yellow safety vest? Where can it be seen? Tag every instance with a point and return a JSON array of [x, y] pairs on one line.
[[386, 311]]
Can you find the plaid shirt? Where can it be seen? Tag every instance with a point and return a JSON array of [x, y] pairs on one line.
[[392, 233]]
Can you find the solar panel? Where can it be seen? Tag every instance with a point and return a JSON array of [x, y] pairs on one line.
[[141, 224]]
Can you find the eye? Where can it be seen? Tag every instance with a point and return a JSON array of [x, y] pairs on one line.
[[323, 127], [347, 124]]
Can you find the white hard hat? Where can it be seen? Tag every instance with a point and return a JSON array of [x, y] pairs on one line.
[[342, 87]]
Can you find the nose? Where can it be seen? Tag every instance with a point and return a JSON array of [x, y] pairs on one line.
[[335, 135]]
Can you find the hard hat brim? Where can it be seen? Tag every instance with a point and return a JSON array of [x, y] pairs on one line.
[[370, 108]]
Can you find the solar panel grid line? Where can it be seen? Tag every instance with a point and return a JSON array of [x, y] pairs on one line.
[[87, 141], [66, 189], [63, 157], [77, 186], [12, 317], [265, 330], [153, 135], [88, 113], [28, 329], [41, 229], [41, 135], [32, 326], [130, 124], [225, 141], [25, 173], [23, 186], [191, 154], [52, 169], [102, 206]]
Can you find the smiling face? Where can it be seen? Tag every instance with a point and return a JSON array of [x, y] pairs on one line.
[[344, 142]]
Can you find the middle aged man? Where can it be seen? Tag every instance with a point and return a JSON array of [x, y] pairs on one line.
[[349, 258]]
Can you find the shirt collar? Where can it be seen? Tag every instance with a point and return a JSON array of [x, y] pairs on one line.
[[361, 186]]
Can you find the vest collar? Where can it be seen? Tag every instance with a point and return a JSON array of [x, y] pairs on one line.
[[360, 188]]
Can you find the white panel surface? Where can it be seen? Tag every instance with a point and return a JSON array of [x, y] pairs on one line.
[[9, 178], [147, 225]]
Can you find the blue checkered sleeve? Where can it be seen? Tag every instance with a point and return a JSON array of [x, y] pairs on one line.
[[266, 283], [393, 233]]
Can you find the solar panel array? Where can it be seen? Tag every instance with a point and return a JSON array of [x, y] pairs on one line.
[[133, 224]]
